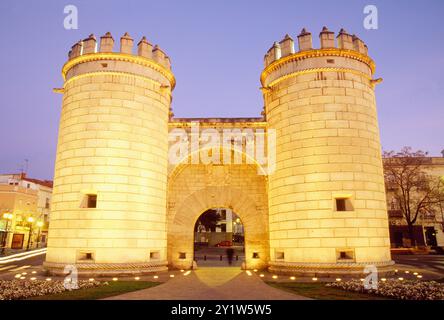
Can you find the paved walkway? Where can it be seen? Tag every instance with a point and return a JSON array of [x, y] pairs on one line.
[[431, 263], [211, 284]]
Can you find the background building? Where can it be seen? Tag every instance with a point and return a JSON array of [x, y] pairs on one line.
[[24, 211], [429, 228]]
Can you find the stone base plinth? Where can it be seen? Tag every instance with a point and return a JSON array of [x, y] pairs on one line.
[[329, 269], [107, 269]]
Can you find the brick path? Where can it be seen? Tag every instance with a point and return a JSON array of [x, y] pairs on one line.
[[211, 284]]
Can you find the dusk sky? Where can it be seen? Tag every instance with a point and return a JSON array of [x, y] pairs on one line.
[[216, 49]]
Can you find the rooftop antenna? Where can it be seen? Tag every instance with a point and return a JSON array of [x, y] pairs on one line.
[[26, 166]]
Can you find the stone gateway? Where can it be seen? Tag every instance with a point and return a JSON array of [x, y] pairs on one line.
[[120, 206]]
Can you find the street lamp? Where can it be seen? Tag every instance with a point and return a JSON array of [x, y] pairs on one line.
[[30, 221], [39, 225], [8, 217]]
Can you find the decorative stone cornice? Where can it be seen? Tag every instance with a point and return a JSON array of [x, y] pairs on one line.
[[218, 123], [145, 62], [108, 268], [312, 70], [327, 268], [316, 53]]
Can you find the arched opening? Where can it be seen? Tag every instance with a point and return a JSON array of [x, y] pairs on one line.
[[219, 239], [195, 188], [184, 216]]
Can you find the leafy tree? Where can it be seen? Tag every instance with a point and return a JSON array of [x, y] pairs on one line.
[[416, 192], [208, 219]]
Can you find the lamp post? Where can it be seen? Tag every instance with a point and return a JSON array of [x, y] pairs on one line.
[[8, 217], [39, 225], [30, 221]]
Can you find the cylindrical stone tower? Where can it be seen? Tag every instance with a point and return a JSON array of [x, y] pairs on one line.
[[109, 202], [327, 200]]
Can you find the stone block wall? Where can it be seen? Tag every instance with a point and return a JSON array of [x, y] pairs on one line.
[[193, 189], [322, 105], [113, 144]]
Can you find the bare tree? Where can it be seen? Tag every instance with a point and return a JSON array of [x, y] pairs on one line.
[[416, 192]]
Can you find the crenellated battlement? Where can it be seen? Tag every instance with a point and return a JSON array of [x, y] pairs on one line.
[[91, 55], [344, 52], [145, 49], [286, 47]]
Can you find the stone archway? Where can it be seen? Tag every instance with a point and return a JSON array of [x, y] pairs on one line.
[[193, 189]]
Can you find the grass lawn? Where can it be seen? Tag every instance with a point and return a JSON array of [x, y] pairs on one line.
[[112, 289], [320, 291]]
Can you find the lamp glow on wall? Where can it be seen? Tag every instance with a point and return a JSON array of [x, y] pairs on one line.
[[8, 217]]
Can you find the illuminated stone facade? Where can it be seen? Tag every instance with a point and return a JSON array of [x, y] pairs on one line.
[[120, 206], [322, 104]]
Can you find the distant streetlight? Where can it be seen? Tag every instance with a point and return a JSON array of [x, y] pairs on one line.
[[30, 221], [8, 217]]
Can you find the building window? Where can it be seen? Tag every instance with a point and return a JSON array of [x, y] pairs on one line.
[[92, 201], [85, 256], [182, 255], [345, 255], [255, 255], [154, 255], [343, 204], [89, 201], [393, 204], [280, 255], [47, 203], [340, 205]]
